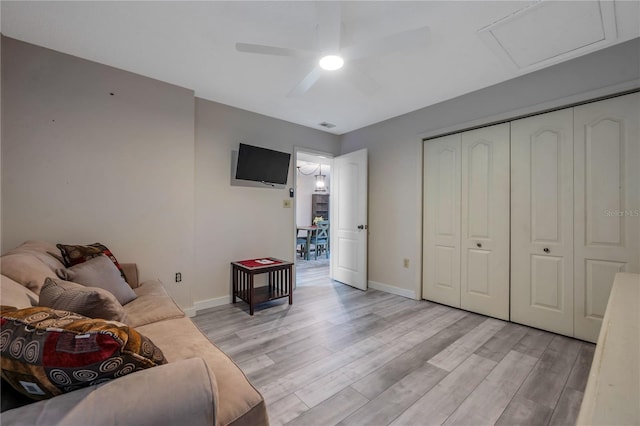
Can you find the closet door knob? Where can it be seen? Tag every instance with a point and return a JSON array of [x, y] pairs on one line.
[[479, 245], [546, 250]]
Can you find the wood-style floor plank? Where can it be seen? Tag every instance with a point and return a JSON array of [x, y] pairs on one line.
[[323, 388], [534, 343], [256, 364], [333, 410], [567, 408], [461, 349], [549, 377], [500, 344], [283, 411], [397, 398], [294, 362], [487, 402], [297, 379], [438, 404], [580, 372], [524, 412], [343, 356], [386, 376]]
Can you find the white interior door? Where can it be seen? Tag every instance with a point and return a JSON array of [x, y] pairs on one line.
[[607, 195], [441, 222], [484, 251], [542, 221], [349, 191]]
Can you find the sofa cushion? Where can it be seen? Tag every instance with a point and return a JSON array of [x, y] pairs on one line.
[[92, 302], [44, 251], [75, 254], [238, 402], [152, 304], [47, 352], [99, 272], [15, 294], [180, 393], [26, 269]]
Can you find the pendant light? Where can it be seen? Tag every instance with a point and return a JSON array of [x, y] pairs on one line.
[[320, 183]]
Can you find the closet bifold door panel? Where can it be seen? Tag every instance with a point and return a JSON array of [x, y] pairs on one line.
[[542, 221], [466, 220], [484, 251], [441, 222], [607, 204]]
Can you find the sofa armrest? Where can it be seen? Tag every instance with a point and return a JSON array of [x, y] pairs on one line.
[[131, 272], [176, 393]]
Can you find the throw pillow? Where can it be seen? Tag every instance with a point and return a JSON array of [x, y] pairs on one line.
[[26, 270], [47, 352], [40, 250], [75, 254], [14, 294], [92, 302], [99, 272]]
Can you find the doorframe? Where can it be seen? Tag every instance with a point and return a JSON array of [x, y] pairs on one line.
[[310, 151]]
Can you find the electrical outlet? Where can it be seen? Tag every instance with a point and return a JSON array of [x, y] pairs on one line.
[[405, 263], [178, 277], [286, 204]]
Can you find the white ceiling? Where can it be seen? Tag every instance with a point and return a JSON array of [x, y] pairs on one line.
[[471, 45]]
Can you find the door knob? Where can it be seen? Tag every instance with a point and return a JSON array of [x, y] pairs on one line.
[[362, 226], [546, 250], [479, 245]]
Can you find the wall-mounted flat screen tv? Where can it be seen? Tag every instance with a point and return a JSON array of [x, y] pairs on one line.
[[262, 165]]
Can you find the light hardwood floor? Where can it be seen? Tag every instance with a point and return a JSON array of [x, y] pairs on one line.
[[343, 356]]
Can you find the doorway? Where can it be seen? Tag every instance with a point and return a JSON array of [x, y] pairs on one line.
[[345, 180], [312, 212]]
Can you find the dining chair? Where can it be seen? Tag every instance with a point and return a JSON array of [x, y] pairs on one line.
[[302, 244], [321, 238]]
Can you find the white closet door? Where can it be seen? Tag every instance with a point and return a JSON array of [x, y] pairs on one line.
[[485, 221], [441, 259], [607, 209], [542, 221]]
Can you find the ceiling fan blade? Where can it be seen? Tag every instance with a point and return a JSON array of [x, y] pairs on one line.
[[329, 26], [403, 40], [361, 81], [306, 83], [273, 50]]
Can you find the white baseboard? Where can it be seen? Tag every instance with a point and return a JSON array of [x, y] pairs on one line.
[[393, 290], [201, 305]]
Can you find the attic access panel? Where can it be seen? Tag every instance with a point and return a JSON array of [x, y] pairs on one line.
[[550, 32]]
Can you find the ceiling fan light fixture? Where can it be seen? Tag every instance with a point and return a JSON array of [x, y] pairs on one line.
[[331, 62]]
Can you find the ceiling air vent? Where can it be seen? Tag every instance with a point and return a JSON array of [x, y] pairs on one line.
[[327, 125]]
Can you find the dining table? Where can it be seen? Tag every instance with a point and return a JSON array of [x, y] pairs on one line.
[[311, 229]]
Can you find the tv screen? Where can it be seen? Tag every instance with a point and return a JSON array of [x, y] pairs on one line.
[[262, 165]]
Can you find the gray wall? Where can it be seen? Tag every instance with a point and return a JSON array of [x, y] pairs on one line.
[[80, 165], [395, 147], [145, 171], [235, 222]]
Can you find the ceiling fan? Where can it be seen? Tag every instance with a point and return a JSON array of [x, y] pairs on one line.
[[331, 55]]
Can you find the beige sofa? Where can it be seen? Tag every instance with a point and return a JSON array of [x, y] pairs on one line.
[[199, 385]]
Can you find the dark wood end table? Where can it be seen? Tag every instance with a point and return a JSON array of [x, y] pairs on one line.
[[280, 280]]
